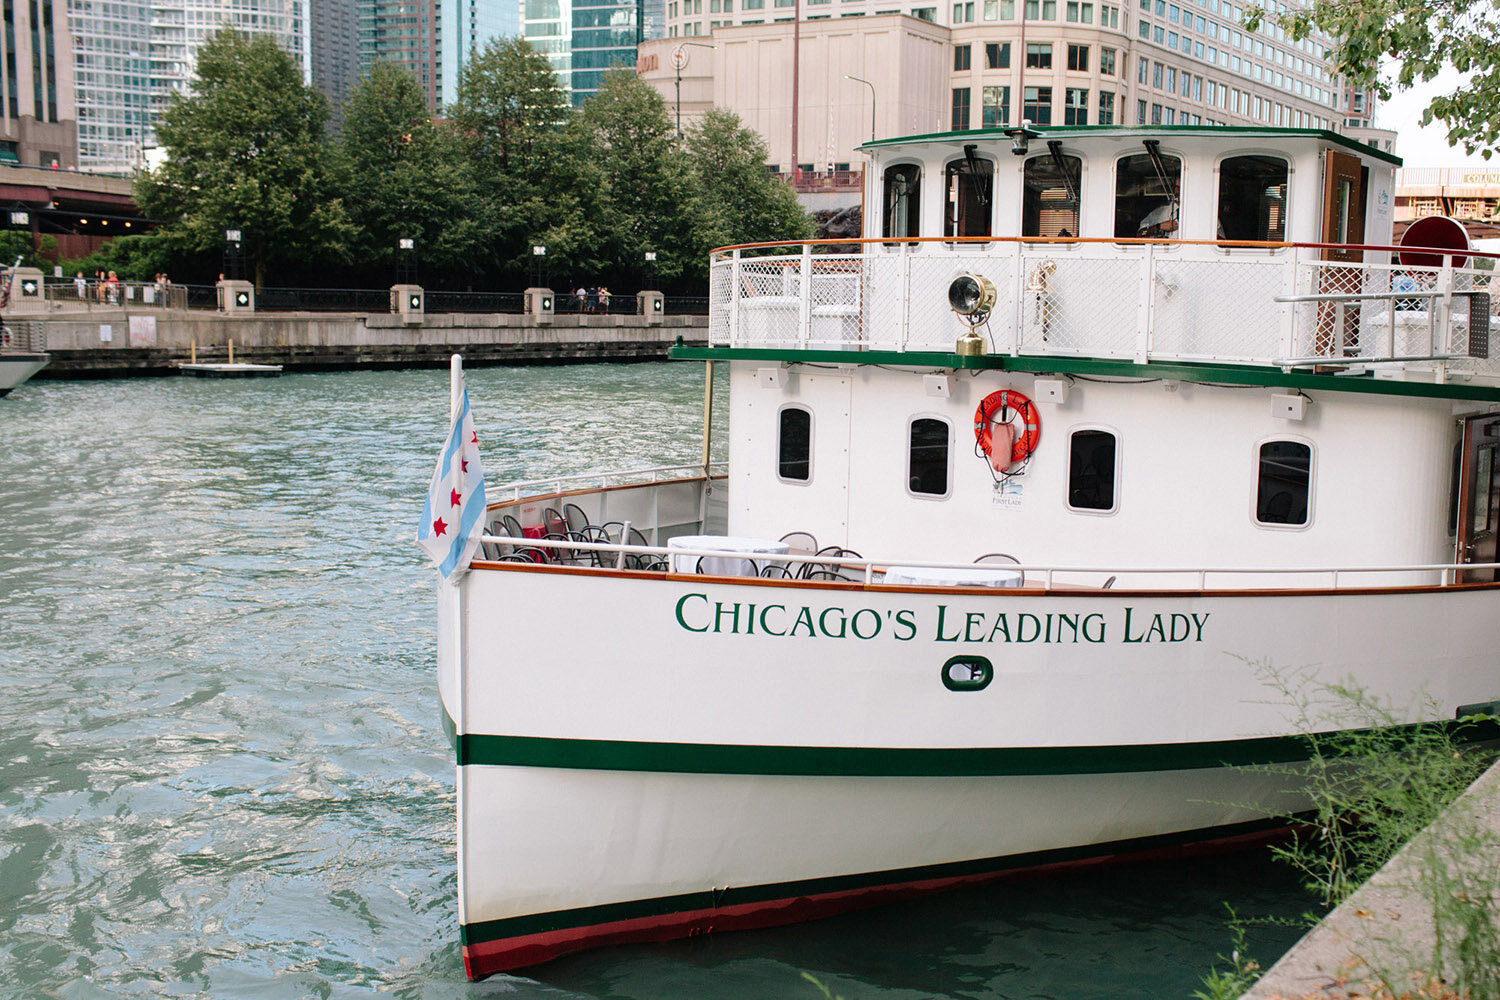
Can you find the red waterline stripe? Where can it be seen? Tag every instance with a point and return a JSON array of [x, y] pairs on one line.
[[489, 957]]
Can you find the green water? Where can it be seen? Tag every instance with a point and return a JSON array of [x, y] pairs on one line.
[[221, 772]]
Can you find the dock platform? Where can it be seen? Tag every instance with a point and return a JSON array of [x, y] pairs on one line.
[[238, 369]]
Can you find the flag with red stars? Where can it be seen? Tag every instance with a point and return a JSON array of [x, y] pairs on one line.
[[453, 516]]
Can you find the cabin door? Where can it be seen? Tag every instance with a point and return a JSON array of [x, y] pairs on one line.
[[1343, 222], [1479, 497]]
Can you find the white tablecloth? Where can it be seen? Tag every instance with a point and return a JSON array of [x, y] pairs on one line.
[[948, 576], [758, 548]]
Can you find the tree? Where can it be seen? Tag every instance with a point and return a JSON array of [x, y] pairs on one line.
[[737, 199], [246, 150], [407, 176], [1425, 35], [509, 114], [623, 167]]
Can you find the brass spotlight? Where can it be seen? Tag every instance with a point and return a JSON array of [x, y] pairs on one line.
[[972, 296]]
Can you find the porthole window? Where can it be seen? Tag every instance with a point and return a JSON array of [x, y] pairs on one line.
[[927, 465], [1283, 491], [794, 444], [902, 188], [1091, 471], [1252, 198]]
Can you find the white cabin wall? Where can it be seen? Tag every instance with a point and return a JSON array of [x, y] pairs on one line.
[[1187, 461]]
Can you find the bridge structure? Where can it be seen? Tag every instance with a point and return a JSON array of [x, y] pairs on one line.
[[81, 210], [1469, 194]]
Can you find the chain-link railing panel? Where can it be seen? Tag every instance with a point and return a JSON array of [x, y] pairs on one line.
[[834, 302], [720, 294], [1075, 304], [770, 307], [1219, 310], [1331, 328], [884, 299], [932, 325]]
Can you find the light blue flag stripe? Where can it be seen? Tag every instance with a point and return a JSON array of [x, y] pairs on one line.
[[472, 508]]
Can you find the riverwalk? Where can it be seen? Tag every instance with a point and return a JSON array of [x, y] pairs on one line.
[[105, 342], [1390, 929]]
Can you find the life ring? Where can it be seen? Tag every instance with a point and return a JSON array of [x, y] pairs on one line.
[[1020, 446]]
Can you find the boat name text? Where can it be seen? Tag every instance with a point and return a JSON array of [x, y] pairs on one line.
[[696, 613]]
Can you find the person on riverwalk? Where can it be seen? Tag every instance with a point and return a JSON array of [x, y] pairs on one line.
[[603, 299], [112, 286], [579, 296], [81, 286]]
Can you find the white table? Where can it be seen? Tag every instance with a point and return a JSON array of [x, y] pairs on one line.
[[757, 549], [950, 576]]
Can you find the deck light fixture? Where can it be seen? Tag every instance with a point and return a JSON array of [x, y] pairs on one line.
[[1020, 138], [972, 296]]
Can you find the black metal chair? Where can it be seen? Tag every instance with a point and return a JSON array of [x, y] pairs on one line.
[[576, 518], [554, 522], [776, 571]]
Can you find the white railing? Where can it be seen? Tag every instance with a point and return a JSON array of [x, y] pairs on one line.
[[869, 571], [531, 488], [1269, 304]]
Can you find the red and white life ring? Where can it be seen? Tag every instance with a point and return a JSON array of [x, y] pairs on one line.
[[996, 434]]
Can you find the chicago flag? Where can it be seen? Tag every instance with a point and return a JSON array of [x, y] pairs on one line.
[[453, 515]]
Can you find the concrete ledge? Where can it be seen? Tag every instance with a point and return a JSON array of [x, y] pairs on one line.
[[116, 342], [1387, 924]]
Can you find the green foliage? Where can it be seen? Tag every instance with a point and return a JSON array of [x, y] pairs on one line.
[[621, 164], [1425, 36], [17, 243], [736, 199], [509, 118], [247, 150], [1233, 982], [133, 258], [407, 176], [1373, 785]]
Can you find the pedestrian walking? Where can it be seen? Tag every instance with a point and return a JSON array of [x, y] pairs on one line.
[[81, 286], [603, 299]]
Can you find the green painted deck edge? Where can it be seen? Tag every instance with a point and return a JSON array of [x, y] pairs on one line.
[[1249, 375], [708, 900], [747, 759]]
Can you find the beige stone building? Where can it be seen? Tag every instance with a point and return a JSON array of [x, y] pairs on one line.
[[979, 64]]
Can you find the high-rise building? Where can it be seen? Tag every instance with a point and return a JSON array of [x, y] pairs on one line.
[[972, 64], [467, 26], [583, 39], [36, 88], [129, 57], [334, 54], [407, 33]]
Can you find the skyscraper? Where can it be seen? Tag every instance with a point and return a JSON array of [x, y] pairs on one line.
[[129, 57], [585, 38], [334, 52]]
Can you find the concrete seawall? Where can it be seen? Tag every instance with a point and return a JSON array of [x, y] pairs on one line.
[[104, 343]]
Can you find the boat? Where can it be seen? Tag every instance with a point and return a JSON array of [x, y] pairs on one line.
[[23, 353], [1050, 506]]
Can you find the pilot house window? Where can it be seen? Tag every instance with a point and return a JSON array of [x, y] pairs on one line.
[[1285, 483], [969, 183], [901, 191], [1049, 196], [1147, 190], [1252, 198], [794, 444], [927, 461]]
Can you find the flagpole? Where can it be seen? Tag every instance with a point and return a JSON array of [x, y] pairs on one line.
[[455, 385]]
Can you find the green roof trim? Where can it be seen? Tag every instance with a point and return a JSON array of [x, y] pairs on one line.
[[1045, 132], [1250, 375]]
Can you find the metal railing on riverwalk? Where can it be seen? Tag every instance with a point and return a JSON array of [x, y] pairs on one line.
[[93, 294]]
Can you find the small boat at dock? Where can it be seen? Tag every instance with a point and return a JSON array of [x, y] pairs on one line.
[[23, 353], [1040, 503]]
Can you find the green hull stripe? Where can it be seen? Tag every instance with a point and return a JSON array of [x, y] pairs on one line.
[[589, 916], [1252, 375], [722, 758]]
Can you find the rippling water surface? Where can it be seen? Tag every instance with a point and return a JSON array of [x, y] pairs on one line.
[[221, 771]]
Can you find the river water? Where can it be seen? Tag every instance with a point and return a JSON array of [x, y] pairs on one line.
[[221, 771]]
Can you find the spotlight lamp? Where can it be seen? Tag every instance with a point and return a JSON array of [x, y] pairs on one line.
[[1020, 138], [972, 296]]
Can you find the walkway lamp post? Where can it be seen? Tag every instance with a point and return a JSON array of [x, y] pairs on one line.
[[867, 83], [679, 60]]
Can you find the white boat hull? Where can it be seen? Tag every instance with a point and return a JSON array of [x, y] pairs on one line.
[[17, 368], [635, 763]]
